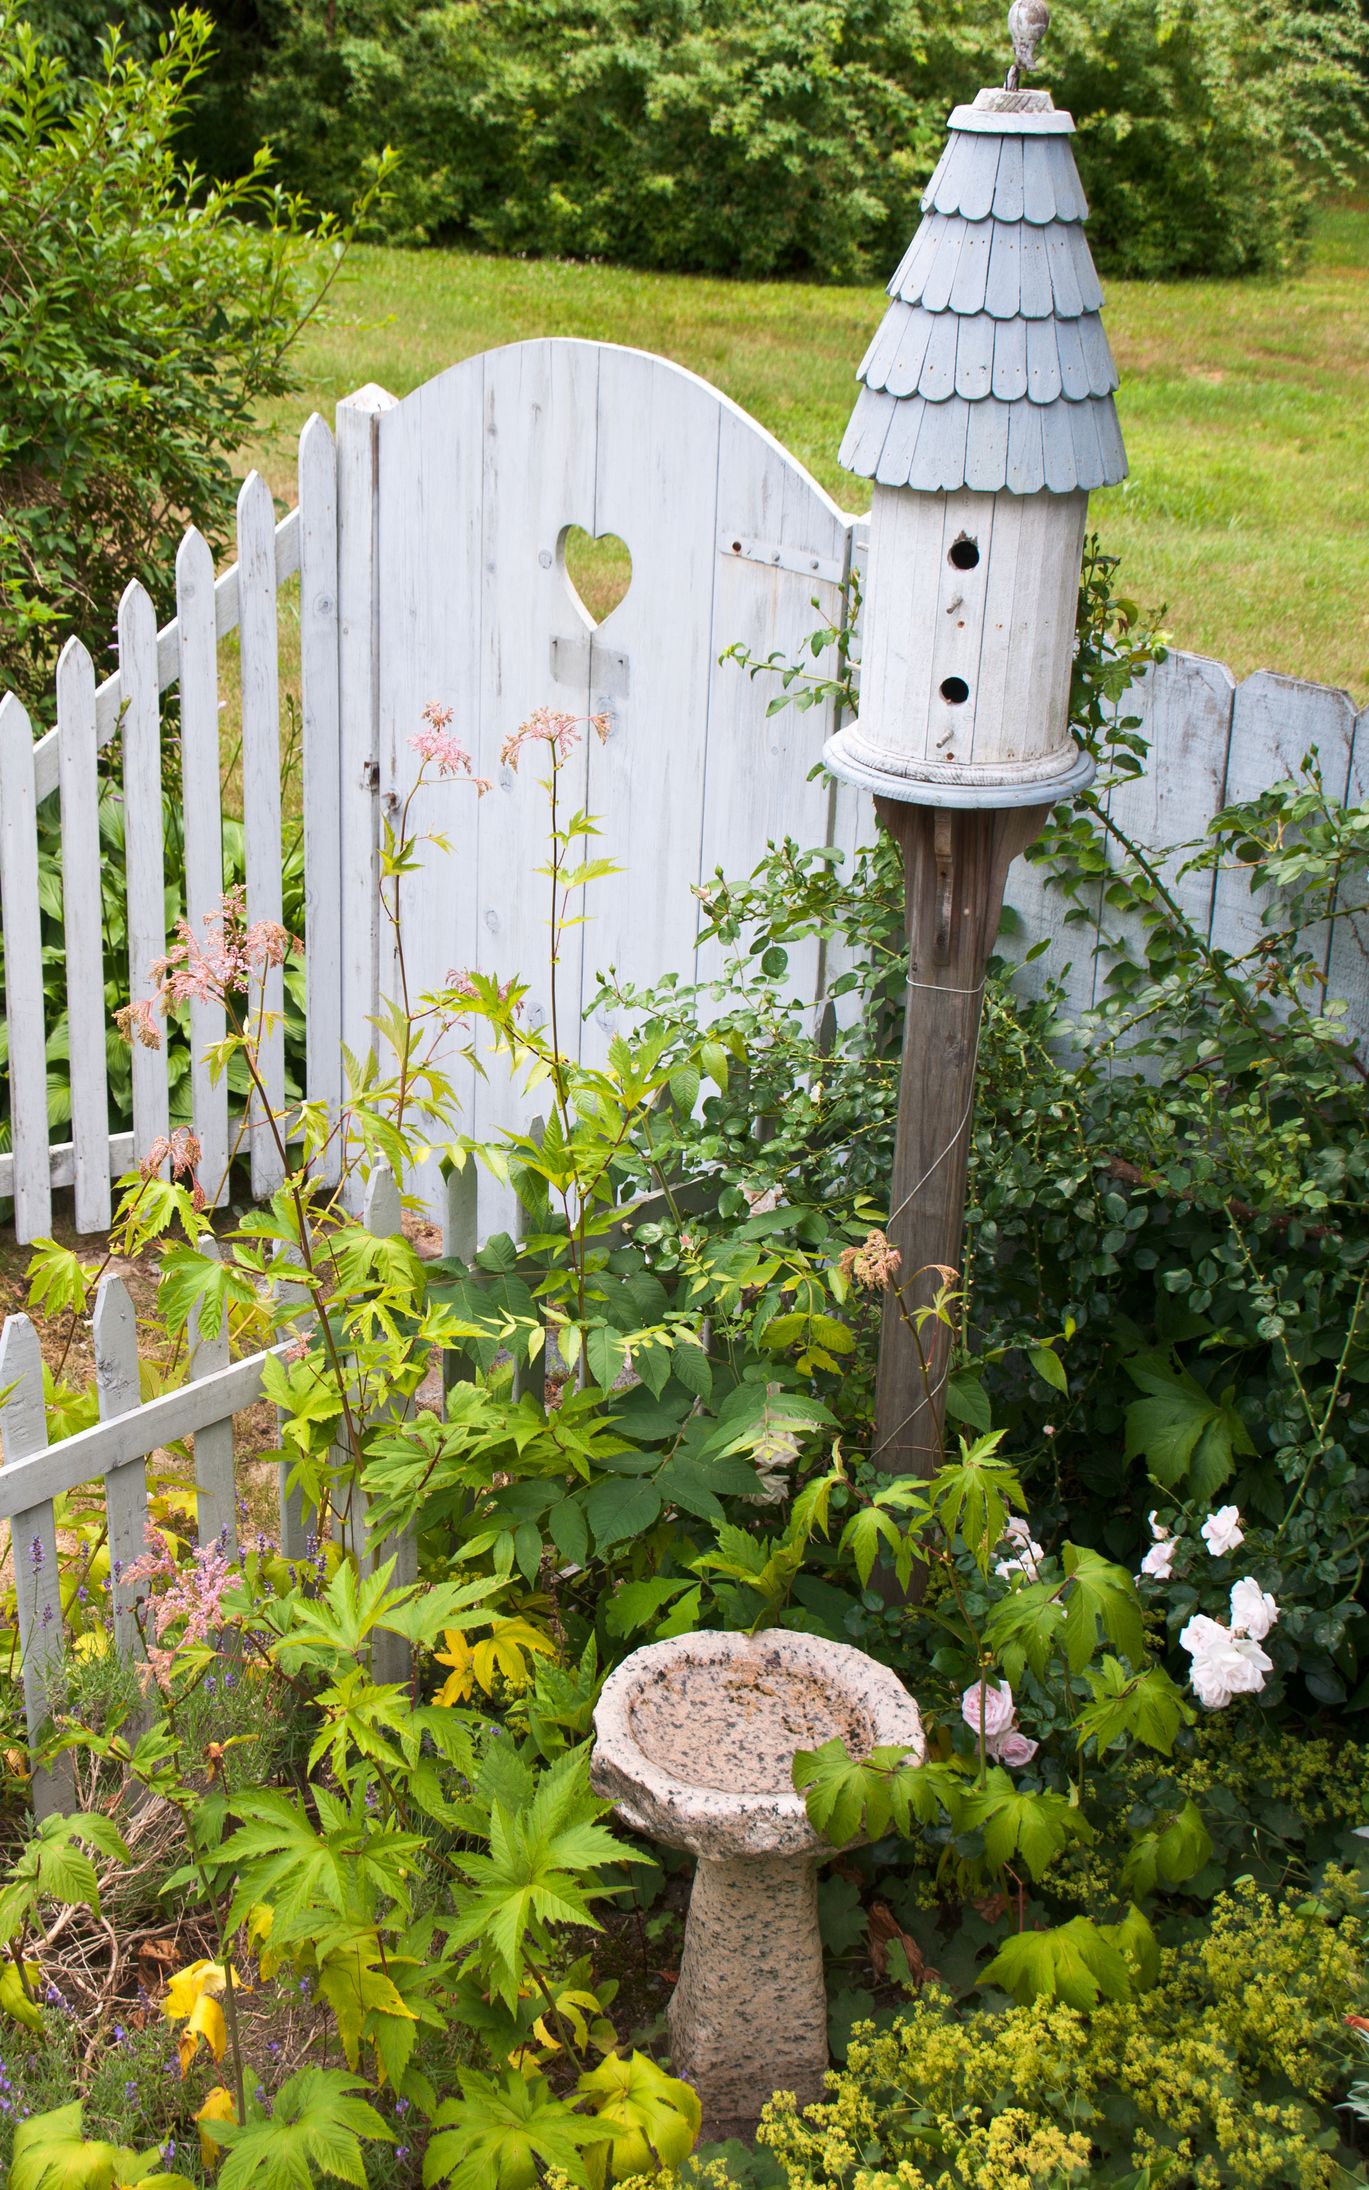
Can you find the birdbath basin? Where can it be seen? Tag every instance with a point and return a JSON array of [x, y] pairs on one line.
[[694, 1745]]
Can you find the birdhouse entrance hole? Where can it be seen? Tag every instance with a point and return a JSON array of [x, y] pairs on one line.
[[599, 570], [955, 690], [965, 552]]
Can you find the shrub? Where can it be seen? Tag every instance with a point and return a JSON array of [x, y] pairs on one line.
[[1220, 2078], [143, 317], [765, 139]]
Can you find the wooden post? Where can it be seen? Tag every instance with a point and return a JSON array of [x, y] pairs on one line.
[[955, 865]]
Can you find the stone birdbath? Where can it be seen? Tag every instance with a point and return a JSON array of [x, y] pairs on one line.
[[694, 1745]]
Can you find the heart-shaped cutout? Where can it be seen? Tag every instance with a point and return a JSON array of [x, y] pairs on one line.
[[598, 570]]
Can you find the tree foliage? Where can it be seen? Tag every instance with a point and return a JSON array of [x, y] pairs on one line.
[[144, 315], [793, 139]]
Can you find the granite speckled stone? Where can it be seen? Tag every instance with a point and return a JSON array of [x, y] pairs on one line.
[[694, 1743]]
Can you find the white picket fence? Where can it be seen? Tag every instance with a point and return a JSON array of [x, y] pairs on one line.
[[36, 1474], [429, 543], [127, 705], [1214, 742]]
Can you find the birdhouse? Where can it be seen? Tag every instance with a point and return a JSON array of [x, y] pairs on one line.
[[984, 418]]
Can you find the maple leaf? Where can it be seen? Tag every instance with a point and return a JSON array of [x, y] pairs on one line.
[[654, 2119], [535, 1871], [496, 2136], [315, 2127]]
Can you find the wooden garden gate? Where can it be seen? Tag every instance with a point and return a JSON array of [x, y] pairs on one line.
[[457, 592]]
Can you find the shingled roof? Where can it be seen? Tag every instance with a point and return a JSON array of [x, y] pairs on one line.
[[990, 368]]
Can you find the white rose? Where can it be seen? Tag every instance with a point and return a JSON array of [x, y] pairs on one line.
[[1028, 1553], [1224, 1665], [1157, 1528], [1253, 1610], [991, 1708], [1222, 1531], [1158, 1562]]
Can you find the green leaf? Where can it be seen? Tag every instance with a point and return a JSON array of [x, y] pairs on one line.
[[617, 1509], [1147, 1706], [190, 1280], [315, 2127], [1049, 1368], [636, 1604], [1168, 1855], [1184, 1435], [568, 1530], [967, 1400], [1074, 1962], [1032, 1827], [498, 2135], [1100, 1595]]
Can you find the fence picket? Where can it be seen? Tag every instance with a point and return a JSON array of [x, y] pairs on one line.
[[114, 1332], [19, 906], [33, 1553], [202, 823], [261, 798], [143, 852], [216, 1512], [358, 726], [83, 927], [1275, 723], [318, 668]]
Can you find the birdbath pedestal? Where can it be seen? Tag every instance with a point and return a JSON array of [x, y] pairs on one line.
[[694, 1744]]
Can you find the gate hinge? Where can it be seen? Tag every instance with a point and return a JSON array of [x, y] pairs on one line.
[[801, 561]]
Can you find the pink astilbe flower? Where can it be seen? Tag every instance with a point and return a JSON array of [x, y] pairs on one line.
[[550, 726], [224, 964], [874, 1265], [191, 1597], [447, 754], [136, 1023]]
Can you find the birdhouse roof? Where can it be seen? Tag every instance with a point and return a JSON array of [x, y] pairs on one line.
[[990, 368]]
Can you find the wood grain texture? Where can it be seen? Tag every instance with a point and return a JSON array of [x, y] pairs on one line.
[[146, 875], [114, 1336], [83, 936], [202, 825], [480, 476], [261, 811], [358, 712], [24, 998], [318, 638], [955, 867], [33, 1547]]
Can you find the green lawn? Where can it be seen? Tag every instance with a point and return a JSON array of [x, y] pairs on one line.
[[1245, 406]]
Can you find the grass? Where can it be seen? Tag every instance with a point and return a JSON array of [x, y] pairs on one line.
[[1243, 405]]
